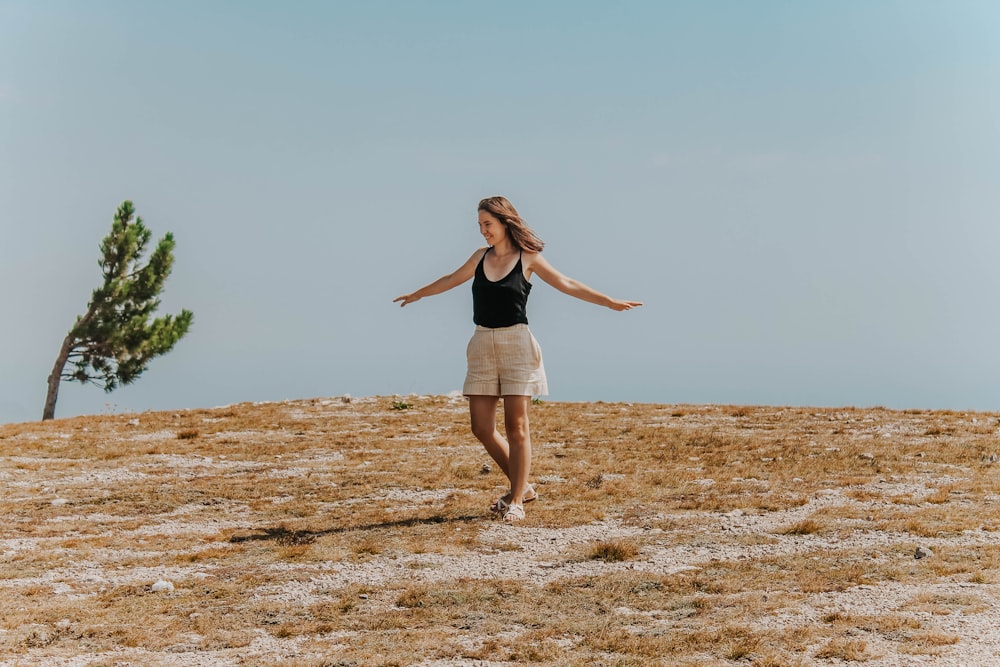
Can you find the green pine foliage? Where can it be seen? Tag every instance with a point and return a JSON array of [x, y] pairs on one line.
[[113, 343]]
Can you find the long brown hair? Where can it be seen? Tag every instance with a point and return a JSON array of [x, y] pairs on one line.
[[520, 234]]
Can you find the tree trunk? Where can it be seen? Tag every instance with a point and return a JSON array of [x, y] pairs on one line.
[[55, 377]]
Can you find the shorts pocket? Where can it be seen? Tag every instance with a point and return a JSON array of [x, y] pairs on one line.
[[468, 348], [536, 350]]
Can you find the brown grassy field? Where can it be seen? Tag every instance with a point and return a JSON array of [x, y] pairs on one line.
[[324, 532]]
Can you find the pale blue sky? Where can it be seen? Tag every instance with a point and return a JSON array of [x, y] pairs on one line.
[[805, 194]]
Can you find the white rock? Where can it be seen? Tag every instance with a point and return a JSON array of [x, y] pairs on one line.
[[162, 586]]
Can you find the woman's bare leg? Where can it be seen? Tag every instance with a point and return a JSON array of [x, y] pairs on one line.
[[515, 416], [483, 415]]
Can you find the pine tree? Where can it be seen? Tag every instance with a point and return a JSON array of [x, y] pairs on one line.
[[114, 341]]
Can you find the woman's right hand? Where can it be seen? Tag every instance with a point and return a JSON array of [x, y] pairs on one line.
[[406, 298]]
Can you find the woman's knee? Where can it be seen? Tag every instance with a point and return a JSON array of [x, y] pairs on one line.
[[517, 428], [483, 432], [482, 417]]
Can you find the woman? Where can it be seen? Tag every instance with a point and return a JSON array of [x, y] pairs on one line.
[[504, 358]]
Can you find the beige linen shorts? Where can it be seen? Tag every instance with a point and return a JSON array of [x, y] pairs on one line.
[[504, 362]]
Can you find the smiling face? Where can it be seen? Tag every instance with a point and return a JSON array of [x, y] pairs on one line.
[[491, 228]]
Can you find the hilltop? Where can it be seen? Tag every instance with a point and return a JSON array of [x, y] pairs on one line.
[[342, 531]]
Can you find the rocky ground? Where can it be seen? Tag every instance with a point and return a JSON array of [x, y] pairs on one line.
[[322, 532]]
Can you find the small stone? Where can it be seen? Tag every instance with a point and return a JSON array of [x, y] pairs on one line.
[[486, 469], [867, 456], [363, 596], [922, 552], [162, 586], [346, 398]]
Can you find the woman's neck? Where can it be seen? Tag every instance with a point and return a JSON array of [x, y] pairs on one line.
[[505, 248]]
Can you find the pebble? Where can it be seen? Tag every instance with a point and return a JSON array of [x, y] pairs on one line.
[[922, 552], [162, 586]]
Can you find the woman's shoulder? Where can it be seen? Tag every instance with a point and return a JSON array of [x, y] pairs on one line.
[[529, 257], [478, 253], [477, 256]]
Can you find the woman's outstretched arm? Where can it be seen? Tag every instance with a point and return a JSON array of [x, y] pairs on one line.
[[444, 283], [567, 285]]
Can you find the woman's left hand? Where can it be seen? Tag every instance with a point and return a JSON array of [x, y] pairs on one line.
[[623, 305]]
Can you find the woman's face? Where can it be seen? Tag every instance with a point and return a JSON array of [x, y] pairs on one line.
[[491, 228]]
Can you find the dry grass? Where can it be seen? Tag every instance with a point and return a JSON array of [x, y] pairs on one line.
[[614, 551], [321, 532]]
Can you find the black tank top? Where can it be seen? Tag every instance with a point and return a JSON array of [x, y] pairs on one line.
[[502, 303]]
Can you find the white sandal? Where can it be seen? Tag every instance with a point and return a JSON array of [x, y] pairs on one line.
[[501, 505], [513, 514]]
